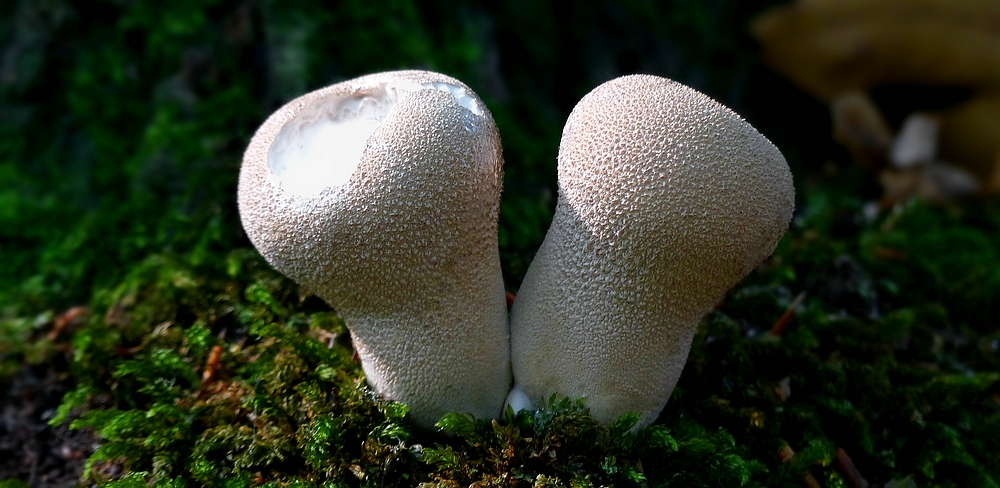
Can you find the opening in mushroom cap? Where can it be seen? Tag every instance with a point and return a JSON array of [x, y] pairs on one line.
[[321, 147]]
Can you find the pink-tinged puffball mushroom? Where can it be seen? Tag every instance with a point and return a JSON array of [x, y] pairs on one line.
[[666, 200], [381, 196]]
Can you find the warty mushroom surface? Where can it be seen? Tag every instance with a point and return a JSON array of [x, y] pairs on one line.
[[380, 195], [666, 200]]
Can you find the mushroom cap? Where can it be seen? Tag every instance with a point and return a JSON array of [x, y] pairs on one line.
[[666, 200], [399, 237]]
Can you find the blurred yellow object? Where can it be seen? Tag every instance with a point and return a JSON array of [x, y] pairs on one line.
[[970, 134], [828, 47], [838, 50]]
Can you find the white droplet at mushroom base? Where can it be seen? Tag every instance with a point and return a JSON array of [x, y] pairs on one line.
[[666, 200], [381, 196]]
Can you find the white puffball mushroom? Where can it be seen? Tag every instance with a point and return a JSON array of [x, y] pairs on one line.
[[381, 195], [666, 200]]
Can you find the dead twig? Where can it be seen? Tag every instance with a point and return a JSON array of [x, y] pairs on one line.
[[70, 317], [783, 321], [786, 454], [850, 471], [212, 365]]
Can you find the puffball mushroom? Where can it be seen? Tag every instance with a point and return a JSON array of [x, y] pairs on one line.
[[666, 200], [381, 195]]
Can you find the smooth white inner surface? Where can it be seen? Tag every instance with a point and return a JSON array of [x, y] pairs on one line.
[[322, 146]]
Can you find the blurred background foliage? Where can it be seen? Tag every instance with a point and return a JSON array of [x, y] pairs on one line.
[[124, 265]]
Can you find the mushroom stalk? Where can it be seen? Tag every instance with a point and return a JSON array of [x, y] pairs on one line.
[[666, 200], [381, 196]]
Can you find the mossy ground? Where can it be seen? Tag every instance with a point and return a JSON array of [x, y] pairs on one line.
[[127, 279]]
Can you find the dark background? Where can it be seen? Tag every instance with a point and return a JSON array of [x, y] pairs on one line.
[[122, 123]]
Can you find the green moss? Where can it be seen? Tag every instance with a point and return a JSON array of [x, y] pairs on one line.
[[864, 369], [12, 483]]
